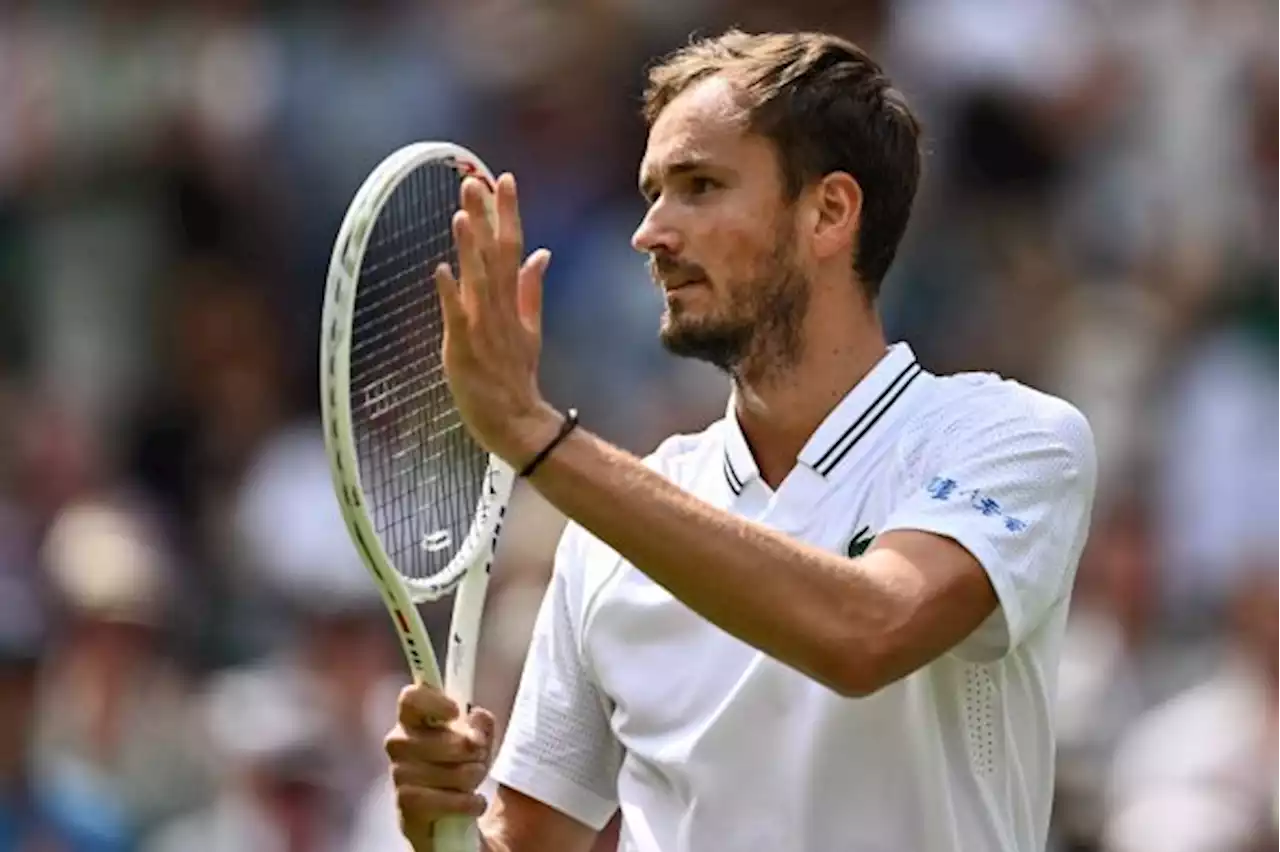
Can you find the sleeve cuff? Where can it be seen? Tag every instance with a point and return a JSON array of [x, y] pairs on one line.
[[538, 782], [1003, 628]]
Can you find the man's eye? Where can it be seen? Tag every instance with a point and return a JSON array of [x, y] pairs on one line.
[[699, 185]]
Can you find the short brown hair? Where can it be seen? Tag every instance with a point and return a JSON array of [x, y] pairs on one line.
[[828, 107]]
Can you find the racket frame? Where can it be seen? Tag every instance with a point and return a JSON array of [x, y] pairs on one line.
[[469, 570]]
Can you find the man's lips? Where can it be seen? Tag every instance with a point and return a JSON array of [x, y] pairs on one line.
[[671, 287]]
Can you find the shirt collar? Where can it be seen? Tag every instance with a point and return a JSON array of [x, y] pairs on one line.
[[846, 427]]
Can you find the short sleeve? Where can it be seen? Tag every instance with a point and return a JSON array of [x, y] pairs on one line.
[[559, 747], [1014, 486]]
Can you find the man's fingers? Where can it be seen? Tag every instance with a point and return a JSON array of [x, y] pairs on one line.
[[471, 264], [507, 249], [490, 241], [451, 306], [460, 777], [477, 202], [510, 241], [423, 803], [482, 724], [444, 746], [436, 770], [529, 289], [422, 706]]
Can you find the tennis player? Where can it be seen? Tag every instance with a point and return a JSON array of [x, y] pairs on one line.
[[830, 621]]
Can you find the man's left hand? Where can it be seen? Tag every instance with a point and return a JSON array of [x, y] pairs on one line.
[[493, 325]]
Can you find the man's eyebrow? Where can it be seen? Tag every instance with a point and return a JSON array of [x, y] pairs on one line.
[[674, 169]]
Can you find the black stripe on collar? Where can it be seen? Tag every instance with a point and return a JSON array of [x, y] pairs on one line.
[[860, 427], [735, 482]]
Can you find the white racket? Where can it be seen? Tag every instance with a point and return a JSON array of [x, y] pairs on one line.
[[422, 500]]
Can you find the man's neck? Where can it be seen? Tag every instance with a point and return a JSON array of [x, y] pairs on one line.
[[779, 414]]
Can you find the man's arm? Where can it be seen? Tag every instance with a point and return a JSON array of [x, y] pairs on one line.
[[853, 625], [1000, 534], [517, 823]]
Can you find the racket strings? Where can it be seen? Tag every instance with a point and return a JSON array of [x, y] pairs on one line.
[[420, 469]]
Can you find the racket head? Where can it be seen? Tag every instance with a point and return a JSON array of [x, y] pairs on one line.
[[378, 509], [422, 499]]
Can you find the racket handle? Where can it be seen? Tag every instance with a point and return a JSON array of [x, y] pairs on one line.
[[456, 834]]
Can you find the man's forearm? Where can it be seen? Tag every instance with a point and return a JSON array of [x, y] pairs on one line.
[[804, 606]]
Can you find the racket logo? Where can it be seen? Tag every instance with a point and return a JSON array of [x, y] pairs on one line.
[[437, 541]]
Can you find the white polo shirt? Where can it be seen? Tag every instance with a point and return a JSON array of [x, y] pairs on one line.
[[630, 699]]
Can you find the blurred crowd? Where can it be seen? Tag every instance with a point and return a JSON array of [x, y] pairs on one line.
[[191, 657]]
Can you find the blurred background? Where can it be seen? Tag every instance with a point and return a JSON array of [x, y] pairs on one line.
[[191, 657]]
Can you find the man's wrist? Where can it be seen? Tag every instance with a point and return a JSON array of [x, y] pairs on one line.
[[534, 433]]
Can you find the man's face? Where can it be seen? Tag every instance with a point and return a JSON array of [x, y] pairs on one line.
[[720, 236]]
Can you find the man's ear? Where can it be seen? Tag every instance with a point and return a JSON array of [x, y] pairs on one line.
[[837, 203]]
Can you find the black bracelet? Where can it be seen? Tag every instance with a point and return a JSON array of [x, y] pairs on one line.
[[569, 424]]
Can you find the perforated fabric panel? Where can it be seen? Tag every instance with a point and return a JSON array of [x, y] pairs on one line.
[[559, 747]]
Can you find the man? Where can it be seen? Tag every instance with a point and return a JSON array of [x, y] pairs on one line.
[[831, 620], [43, 808]]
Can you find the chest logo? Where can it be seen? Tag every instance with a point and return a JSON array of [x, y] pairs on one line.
[[860, 542]]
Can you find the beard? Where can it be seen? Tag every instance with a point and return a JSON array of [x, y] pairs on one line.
[[759, 332]]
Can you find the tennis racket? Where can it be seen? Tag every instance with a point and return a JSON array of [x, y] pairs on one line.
[[422, 500]]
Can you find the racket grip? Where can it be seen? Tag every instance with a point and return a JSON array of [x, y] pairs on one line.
[[456, 834]]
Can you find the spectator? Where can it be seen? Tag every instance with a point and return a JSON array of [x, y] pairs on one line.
[[114, 704], [1198, 773], [272, 796], [41, 808]]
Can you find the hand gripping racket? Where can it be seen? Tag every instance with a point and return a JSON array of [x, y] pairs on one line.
[[422, 500]]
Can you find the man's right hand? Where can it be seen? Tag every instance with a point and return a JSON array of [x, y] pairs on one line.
[[438, 759]]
